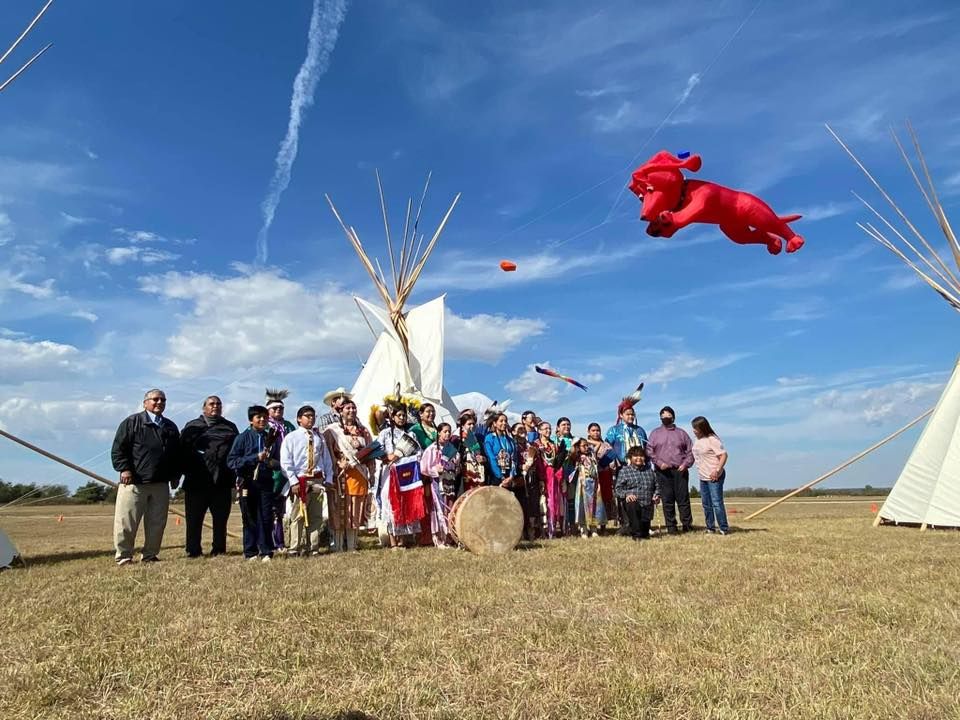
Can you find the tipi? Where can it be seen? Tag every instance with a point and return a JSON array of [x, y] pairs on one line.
[[409, 349], [927, 493]]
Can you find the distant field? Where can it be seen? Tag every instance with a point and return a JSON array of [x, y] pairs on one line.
[[806, 612]]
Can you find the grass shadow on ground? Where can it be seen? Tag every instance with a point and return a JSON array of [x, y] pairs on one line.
[[59, 557], [346, 715]]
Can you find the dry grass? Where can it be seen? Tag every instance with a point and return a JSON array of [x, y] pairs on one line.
[[811, 614]]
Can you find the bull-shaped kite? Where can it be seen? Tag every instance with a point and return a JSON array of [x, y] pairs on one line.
[[670, 202]]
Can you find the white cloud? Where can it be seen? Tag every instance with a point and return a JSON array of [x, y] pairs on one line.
[[454, 270], [689, 366], [813, 213], [692, 82], [793, 381], [44, 419], [147, 256], [26, 360], [487, 337], [902, 281], [10, 281], [322, 36], [809, 309], [599, 92], [85, 315], [6, 229], [136, 237], [240, 321], [532, 387], [877, 404], [74, 220]]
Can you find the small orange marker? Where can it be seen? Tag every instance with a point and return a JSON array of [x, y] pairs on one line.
[[178, 519], [60, 518], [873, 508]]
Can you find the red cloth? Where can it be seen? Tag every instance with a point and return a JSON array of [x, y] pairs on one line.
[[407, 507]]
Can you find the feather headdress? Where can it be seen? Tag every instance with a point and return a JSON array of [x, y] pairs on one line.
[[275, 397], [629, 401]]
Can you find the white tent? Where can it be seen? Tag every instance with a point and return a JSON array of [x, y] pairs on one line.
[[8, 552], [420, 371], [409, 350], [927, 493]]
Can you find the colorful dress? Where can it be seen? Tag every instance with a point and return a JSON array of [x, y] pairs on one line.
[[569, 476], [348, 500], [281, 508], [438, 466], [606, 461], [388, 438], [589, 509], [550, 471], [473, 471], [425, 436]]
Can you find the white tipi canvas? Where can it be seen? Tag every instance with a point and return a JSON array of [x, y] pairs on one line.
[[928, 490], [422, 372]]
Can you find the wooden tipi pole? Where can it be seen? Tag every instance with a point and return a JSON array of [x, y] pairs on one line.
[[99, 478], [840, 467]]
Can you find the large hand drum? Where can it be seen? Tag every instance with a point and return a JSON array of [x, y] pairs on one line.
[[487, 520]]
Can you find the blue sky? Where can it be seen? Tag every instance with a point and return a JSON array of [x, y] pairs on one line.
[[136, 154]]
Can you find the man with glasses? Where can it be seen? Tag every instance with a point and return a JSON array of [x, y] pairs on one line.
[[146, 453], [207, 481]]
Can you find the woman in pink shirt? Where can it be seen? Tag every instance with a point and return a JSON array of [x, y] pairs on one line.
[[710, 456]]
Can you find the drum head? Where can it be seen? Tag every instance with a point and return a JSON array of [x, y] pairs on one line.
[[7, 551], [489, 521]]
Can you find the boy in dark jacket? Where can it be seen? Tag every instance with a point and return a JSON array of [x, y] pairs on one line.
[[254, 456], [208, 483], [637, 487]]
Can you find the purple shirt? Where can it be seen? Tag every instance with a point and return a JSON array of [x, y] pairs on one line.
[[670, 446]]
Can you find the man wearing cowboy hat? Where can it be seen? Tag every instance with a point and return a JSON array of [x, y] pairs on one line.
[[335, 400]]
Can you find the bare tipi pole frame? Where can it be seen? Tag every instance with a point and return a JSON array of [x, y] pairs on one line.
[[928, 265], [17, 42], [405, 265]]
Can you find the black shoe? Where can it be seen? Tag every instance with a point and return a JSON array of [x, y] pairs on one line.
[[673, 531], [152, 558]]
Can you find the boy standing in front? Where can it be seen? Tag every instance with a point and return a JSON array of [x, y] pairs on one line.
[[306, 463], [254, 456], [637, 487]]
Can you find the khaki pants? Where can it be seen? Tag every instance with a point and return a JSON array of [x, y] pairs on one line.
[[306, 537], [148, 502]]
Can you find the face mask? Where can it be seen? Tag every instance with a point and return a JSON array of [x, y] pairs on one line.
[[667, 421]]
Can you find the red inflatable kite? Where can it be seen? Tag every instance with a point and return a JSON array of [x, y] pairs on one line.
[[670, 202]]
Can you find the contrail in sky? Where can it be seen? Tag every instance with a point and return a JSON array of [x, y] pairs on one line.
[[325, 24]]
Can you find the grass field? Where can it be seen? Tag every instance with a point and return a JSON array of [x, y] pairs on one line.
[[806, 612]]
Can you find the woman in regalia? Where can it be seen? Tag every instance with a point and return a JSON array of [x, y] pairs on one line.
[[398, 444], [425, 431], [473, 471], [589, 511], [528, 481], [564, 439], [501, 453], [347, 438], [438, 466], [550, 459], [606, 459]]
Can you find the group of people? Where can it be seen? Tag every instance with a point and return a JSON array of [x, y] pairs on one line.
[[401, 475]]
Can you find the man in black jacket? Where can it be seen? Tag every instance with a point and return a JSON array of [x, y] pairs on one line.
[[207, 481], [146, 453]]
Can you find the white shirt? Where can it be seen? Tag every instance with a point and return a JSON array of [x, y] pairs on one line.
[[293, 457]]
